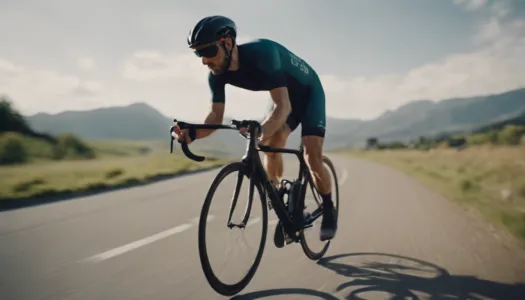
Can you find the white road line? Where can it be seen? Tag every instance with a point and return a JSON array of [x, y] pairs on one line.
[[253, 221], [344, 176], [137, 244], [196, 220]]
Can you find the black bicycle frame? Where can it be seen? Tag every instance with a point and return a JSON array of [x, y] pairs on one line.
[[254, 170]]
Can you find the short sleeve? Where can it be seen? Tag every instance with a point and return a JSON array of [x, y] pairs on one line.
[[216, 88]]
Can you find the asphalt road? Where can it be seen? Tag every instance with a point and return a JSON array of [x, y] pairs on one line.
[[395, 238]]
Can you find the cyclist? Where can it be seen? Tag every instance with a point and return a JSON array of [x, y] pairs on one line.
[[294, 86]]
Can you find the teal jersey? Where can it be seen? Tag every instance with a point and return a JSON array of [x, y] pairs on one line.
[[265, 65]]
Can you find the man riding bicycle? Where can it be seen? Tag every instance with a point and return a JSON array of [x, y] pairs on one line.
[[295, 88]]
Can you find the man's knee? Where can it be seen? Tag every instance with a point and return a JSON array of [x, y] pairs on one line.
[[278, 139]]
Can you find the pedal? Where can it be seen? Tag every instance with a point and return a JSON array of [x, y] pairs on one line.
[[280, 238], [307, 221]]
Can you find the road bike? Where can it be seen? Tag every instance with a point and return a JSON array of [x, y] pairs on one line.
[[291, 219]]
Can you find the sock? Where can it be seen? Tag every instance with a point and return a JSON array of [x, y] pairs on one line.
[[275, 184], [327, 201]]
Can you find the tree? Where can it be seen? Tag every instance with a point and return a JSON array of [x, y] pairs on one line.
[[10, 119], [371, 143]]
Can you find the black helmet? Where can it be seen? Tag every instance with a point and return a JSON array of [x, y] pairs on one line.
[[210, 29]]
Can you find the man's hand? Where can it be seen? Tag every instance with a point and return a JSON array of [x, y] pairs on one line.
[[182, 135], [263, 140]]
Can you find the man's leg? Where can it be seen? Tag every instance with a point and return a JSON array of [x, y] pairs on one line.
[[313, 154], [273, 162], [313, 123]]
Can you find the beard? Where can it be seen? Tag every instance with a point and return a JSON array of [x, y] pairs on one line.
[[217, 69]]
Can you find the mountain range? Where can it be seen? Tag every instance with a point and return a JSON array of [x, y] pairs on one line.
[[140, 121]]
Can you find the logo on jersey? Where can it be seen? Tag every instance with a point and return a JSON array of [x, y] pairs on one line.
[[321, 125], [297, 62]]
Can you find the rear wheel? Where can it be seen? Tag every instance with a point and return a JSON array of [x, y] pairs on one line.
[[218, 285], [316, 197]]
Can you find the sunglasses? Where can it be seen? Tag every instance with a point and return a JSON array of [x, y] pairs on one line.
[[210, 51]]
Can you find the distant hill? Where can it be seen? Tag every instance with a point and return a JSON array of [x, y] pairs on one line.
[[20, 144], [418, 118], [12, 121], [427, 118], [519, 119], [138, 121]]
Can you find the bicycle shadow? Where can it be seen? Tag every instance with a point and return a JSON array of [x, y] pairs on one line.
[[401, 279], [284, 292]]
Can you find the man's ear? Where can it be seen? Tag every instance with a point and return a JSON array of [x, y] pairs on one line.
[[229, 43]]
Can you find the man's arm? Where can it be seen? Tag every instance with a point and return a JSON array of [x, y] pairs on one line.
[[280, 112], [215, 116], [216, 113], [270, 62]]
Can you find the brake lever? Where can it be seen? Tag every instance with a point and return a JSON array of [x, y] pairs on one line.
[[172, 129], [172, 133]]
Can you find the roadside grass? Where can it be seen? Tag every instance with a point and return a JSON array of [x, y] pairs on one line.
[[117, 163], [106, 148], [488, 179]]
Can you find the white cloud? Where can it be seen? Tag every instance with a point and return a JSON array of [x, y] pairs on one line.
[[8, 70], [501, 8], [148, 65], [47, 90], [151, 65], [176, 82], [7, 67], [497, 66], [178, 79], [471, 4], [182, 80], [86, 63]]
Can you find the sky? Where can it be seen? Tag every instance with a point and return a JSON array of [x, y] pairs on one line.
[[371, 55]]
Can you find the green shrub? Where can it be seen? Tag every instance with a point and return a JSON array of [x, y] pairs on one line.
[[465, 185], [511, 135], [12, 150], [69, 146], [478, 139], [26, 185], [521, 190], [114, 173]]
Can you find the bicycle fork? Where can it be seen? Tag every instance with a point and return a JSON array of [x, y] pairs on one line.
[[234, 202]]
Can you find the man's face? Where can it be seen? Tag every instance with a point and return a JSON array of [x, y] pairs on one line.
[[213, 56]]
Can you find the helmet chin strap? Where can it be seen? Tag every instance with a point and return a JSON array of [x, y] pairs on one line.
[[228, 57]]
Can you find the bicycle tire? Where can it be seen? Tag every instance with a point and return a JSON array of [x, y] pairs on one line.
[[306, 249], [219, 286]]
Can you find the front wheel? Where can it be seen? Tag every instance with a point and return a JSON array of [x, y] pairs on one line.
[[218, 285], [316, 197]]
